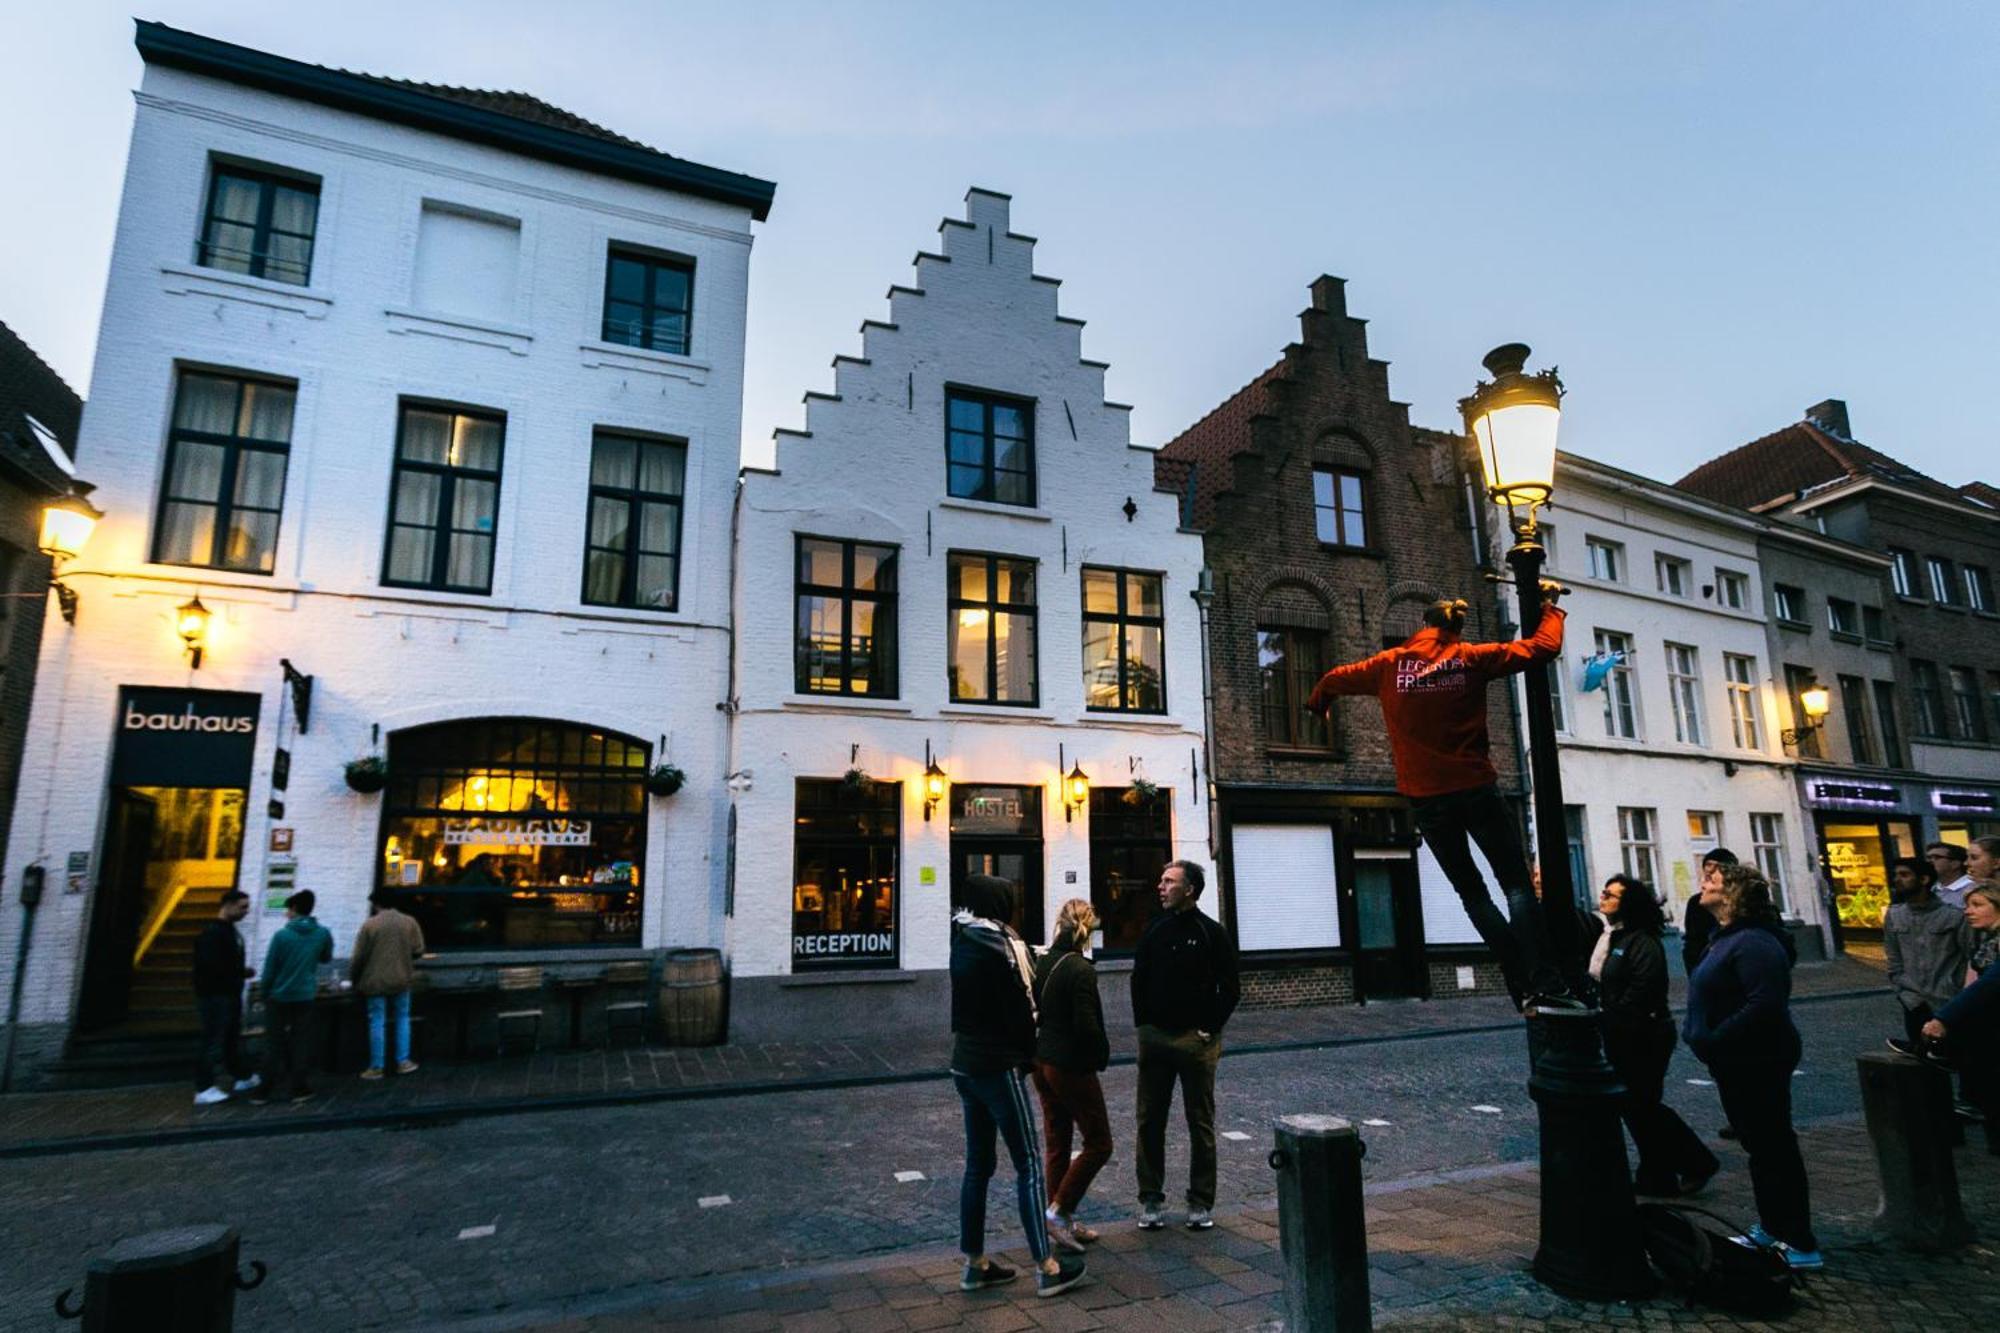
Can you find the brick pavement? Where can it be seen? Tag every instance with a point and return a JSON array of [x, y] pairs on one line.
[[164, 1112], [1448, 1252]]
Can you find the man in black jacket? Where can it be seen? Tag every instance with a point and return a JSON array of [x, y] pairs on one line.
[[219, 974], [1184, 988]]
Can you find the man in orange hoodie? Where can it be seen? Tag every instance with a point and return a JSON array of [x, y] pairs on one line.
[[1433, 694]]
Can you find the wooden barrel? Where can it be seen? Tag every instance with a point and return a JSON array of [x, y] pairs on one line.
[[691, 997]]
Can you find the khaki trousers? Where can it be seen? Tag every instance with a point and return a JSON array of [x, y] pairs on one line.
[[1165, 1057]]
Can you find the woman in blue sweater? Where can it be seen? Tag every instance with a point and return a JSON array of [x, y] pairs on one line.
[[1739, 1025]]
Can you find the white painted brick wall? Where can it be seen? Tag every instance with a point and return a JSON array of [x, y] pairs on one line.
[[383, 657], [874, 469]]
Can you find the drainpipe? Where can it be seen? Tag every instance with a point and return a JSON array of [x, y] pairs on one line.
[[1204, 598]]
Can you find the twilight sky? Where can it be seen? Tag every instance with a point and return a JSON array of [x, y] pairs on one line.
[[1710, 215]]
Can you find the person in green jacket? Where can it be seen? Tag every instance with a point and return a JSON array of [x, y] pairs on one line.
[[291, 981]]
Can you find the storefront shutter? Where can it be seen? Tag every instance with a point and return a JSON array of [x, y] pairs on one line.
[[1445, 921], [1285, 895]]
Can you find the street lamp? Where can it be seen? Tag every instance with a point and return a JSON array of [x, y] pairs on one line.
[[1076, 790], [1590, 1241], [67, 523], [191, 621], [935, 784], [1815, 701]]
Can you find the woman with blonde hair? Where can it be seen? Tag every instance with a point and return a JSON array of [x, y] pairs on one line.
[[1071, 1049], [1968, 1028]]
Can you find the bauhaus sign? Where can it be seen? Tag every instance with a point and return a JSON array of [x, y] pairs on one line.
[[184, 738]]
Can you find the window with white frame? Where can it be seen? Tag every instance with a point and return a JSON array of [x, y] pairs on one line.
[[1732, 589], [1767, 848], [1621, 710], [1940, 571], [1607, 559], [1903, 571], [1557, 705], [1674, 575], [1739, 675], [1704, 835], [1978, 587], [1638, 843], [1684, 692]]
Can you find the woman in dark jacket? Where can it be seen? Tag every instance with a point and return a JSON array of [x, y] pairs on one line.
[[1070, 1051], [1629, 965], [992, 1045], [1739, 1024]]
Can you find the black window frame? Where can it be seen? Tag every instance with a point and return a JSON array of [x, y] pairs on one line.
[[634, 499], [869, 804], [1789, 605], [987, 400], [1968, 708], [1292, 739], [1122, 618], [1339, 511], [1903, 572], [267, 181], [1843, 618], [449, 475], [1854, 703], [1122, 825], [233, 446], [1885, 719], [1874, 625], [1927, 694], [652, 261], [886, 603], [1978, 581], [1942, 577], [1031, 610]]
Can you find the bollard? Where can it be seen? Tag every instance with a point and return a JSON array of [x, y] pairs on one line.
[[1908, 1108], [1321, 1229], [1591, 1248], [182, 1280]]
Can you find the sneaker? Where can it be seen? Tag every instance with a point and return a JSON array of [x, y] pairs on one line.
[[1802, 1261], [1199, 1219], [250, 1084], [1756, 1238], [1061, 1236], [1904, 1046], [371, 1074], [211, 1096], [1088, 1235], [1069, 1272], [406, 1066], [978, 1277], [1151, 1217]]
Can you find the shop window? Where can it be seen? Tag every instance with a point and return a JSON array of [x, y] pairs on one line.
[[1740, 680], [632, 548], [259, 223], [1290, 661], [845, 840], [223, 487], [516, 833], [445, 501], [844, 634], [1124, 642], [1339, 512], [990, 633], [1857, 861], [1131, 841], [989, 447], [648, 301], [1885, 716]]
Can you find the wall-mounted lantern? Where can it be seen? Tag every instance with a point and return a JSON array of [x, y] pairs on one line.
[[191, 621], [1076, 790], [66, 525]]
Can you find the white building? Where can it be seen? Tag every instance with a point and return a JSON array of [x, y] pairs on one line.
[[433, 395], [961, 560], [1678, 750]]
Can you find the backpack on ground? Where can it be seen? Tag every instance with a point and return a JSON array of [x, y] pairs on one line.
[[1710, 1267]]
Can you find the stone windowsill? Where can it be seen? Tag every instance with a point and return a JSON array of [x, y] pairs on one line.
[[1029, 513], [192, 280]]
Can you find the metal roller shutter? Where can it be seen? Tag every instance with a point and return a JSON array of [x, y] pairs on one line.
[[1285, 896]]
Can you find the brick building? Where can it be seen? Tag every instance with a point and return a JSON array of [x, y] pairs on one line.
[[1329, 524], [1929, 716]]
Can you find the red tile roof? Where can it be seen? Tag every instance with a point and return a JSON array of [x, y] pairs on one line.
[[1799, 457], [1204, 449]]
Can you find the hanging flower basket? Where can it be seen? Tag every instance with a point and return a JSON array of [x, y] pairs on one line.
[[856, 785], [1141, 793], [665, 780], [368, 774]]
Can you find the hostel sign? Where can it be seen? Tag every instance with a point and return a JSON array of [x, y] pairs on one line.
[[517, 832]]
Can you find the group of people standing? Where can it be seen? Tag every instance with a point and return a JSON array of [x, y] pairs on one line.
[[1940, 939], [1024, 1018]]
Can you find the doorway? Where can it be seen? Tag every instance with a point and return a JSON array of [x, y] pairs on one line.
[[1388, 962], [1857, 855], [998, 831]]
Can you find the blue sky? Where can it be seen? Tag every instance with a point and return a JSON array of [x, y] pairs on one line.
[[1710, 215]]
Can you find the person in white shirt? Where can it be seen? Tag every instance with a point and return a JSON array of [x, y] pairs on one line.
[[1948, 860]]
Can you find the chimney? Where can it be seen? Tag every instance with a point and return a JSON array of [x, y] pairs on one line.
[[1831, 417]]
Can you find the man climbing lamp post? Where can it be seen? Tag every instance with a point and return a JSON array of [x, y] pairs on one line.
[[1590, 1243]]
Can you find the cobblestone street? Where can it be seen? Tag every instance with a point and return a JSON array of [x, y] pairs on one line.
[[624, 1216]]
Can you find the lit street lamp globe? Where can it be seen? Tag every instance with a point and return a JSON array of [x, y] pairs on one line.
[[1513, 419]]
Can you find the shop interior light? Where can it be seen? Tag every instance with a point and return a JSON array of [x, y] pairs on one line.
[[936, 782], [67, 523], [191, 620], [1076, 790], [1513, 419]]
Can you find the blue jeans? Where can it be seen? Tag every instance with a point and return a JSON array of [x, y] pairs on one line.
[[378, 1008], [999, 1102]]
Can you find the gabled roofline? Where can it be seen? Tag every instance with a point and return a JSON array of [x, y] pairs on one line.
[[1845, 487], [161, 45]]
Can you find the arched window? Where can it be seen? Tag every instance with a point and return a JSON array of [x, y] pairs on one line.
[[516, 833], [1293, 629]]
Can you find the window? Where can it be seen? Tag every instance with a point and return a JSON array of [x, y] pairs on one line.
[[260, 224], [1843, 617], [1124, 642], [11, 557], [844, 636], [1967, 705], [1941, 579], [991, 629], [1873, 626], [1337, 507], [1290, 662], [1674, 575], [1548, 531], [1621, 714], [1732, 589], [844, 841], [1740, 679], [516, 833], [467, 262], [224, 481], [989, 448], [1854, 703], [1684, 692], [632, 546], [1978, 587], [1581, 883], [1928, 695], [1704, 835], [1798, 680], [1558, 706], [1607, 559], [1767, 848], [648, 301], [1130, 844], [445, 499], [1789, 604], [1636, 843], [1885, 716], [1903, 571]]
